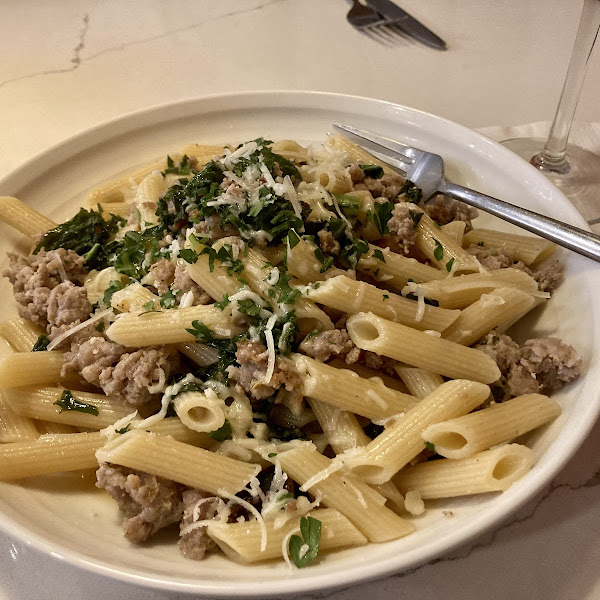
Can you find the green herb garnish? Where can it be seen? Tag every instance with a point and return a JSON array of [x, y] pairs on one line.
[[304, 550], [68, 402], [438, 252], [41, 343], [449, 264], [221, 434], [200, 331]]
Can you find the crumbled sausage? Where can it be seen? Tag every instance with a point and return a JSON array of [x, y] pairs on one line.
[[444, 211], [386, 187], [33, 278], [137, 377], [184, 283], [402, 228], [163, 272], [253, 360], [67, 304], [327, 343], [197, 506], [540, 365], [148, 503], [550, 276], [551, 361], [329, 244], [212, 226]]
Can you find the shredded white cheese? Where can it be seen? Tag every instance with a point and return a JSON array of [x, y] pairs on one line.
[[65, 334]]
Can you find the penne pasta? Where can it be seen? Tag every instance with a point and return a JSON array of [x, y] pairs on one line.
[[350, 296], [402, 440], [348, 494], [419, 349], [23, 218], [348, 391], [489, 471], [166, 457], [526, 248], [465, 436], [30, 368]]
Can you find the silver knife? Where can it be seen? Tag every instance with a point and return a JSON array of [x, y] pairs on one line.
[[407, 23]]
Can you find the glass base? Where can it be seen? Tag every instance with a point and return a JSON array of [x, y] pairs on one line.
[[580, 183]]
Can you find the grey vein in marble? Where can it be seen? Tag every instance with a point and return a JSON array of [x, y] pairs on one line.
[[77, 60]]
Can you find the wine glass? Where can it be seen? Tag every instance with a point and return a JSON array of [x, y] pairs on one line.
[[575, 171]]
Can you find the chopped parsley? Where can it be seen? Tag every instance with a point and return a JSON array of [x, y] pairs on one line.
[[271, 454], [149, 307], [378, 254], [449, 264], [416, 217], [113, 286], [349, 205], [189, 255], [438, 252], [224, 432], [304, 550], [124, 429], [184, 167], [225, 255], [326, 261], [168, 300], [69, 402], [383, 213], [287, 295], [292, 239], [374, 171], [429, 446], [411, 191], [221, 304], [88, 233], [41, 343], [386, 297], [200, 331]]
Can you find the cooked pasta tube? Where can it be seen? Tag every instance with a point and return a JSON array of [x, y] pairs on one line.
[[401, 441], [61, 406], [442, 249], [23, 218], [114, 190], [396, 270], [464, 436], [45, 427], [456, 230], [356, 500], [303, 264], [458, 292], [350, 296], [355, 152], [367, 373], [170, 326], [347, 390], [203, 153], [258, 274], [525, 248], [13, 426], [343, 432], [420, 383], [212, 275], [21, 334], [491, 310], [291, 150], [132, 297], [200, 411], [49, 454], [419, 349], [341, 427], [166, 457], [73, 451], [489, 471], [30, 368], [242, 541]]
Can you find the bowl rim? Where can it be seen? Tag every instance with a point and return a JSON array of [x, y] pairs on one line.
[[478, 525]]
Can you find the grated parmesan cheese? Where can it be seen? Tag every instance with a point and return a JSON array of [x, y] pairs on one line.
[[63, 336]]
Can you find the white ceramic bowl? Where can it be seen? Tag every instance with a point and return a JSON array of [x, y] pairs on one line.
[[65, 516]]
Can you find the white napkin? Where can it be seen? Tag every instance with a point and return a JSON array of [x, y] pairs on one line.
[[585, 135]]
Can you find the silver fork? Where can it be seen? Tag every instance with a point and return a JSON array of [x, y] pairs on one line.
[[426, 171], [368, 21]]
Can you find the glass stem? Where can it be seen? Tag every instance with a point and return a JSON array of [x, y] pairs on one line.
[[553, 156]]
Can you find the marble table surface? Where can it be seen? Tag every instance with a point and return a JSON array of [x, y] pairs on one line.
[[71, 64]]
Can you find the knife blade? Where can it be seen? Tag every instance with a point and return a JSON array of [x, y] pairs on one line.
[[407, 23]]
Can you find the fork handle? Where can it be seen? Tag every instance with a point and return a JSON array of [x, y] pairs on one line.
[[573, 238]]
